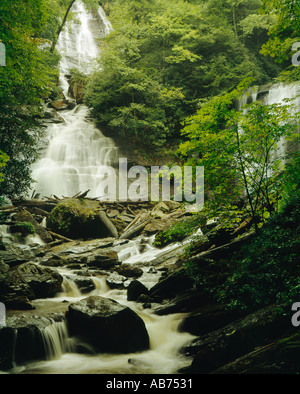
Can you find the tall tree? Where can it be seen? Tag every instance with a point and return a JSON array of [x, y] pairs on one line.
[[24, 82]]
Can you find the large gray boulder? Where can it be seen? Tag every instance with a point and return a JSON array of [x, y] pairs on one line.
[[107, 326], [26, 282]]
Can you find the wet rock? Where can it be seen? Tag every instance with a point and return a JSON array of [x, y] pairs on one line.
[[22, 341], [184, 302], [76, 90], [25, 216], [129, 270], [207, 319], [173, 284], [33, 281], [135, 290], [54, 261], [62, 105], [116, 281], [279, 357], [237, 339], [108, 326], [103, 259], [85, 285]]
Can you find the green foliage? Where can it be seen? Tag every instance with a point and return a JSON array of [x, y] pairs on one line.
[[238, 149], [180, 230], [163, 57], [24, 82], [269, 269], [3, 160], [24, 228], [283, 32]]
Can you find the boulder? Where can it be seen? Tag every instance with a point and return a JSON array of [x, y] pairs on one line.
[[85, 285], [26, 217], [129, 270], [107, 326], [238, 338], [77, 218], [103, 259], [62, 105], [172, 285], [76, 90], [135, 290], [22, 340], [32, 281], [116, 281]]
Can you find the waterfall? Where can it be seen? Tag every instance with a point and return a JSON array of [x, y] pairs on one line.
[[274, 94], [76, 153], [56, 340]]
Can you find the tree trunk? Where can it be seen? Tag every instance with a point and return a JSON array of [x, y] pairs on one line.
[[61, 26]]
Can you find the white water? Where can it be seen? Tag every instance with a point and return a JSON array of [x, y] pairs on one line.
[[163, 357], [77, 154], [275, 94]]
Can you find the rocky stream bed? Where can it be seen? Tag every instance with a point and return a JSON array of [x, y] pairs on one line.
[[117, 304]]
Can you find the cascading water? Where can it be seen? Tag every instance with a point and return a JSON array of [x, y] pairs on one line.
[[274, 94], [77, 153], [166, 340]]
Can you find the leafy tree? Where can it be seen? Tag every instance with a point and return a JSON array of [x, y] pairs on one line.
[[3, 161], [283, 32], [24, 82], [165, 57], [238, 150]]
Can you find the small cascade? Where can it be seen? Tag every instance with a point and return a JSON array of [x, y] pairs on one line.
[[101, 287], [69, 288], [5, 234], [56, 340]]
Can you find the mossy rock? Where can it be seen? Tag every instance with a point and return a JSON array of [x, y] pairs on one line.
[[24, 228], [180, 230], [77, 218]]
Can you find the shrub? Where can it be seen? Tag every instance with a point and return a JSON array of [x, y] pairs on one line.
[[268, 271], [180, 230]]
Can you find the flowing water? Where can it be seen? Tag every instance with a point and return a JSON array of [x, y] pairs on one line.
[[275, 94], [76, 154], [166, 340]]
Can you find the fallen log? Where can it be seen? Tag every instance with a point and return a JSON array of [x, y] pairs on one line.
[[60, 237], [45, 205], [82, 195], [135, 230], [108, 224]]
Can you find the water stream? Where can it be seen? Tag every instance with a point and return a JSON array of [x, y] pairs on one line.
[[76, 154], [166, 340]]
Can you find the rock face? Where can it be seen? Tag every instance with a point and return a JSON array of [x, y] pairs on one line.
[[25, 282], [26, 217], [22, 340], [76, 90], [136, 289], [107, 326]]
